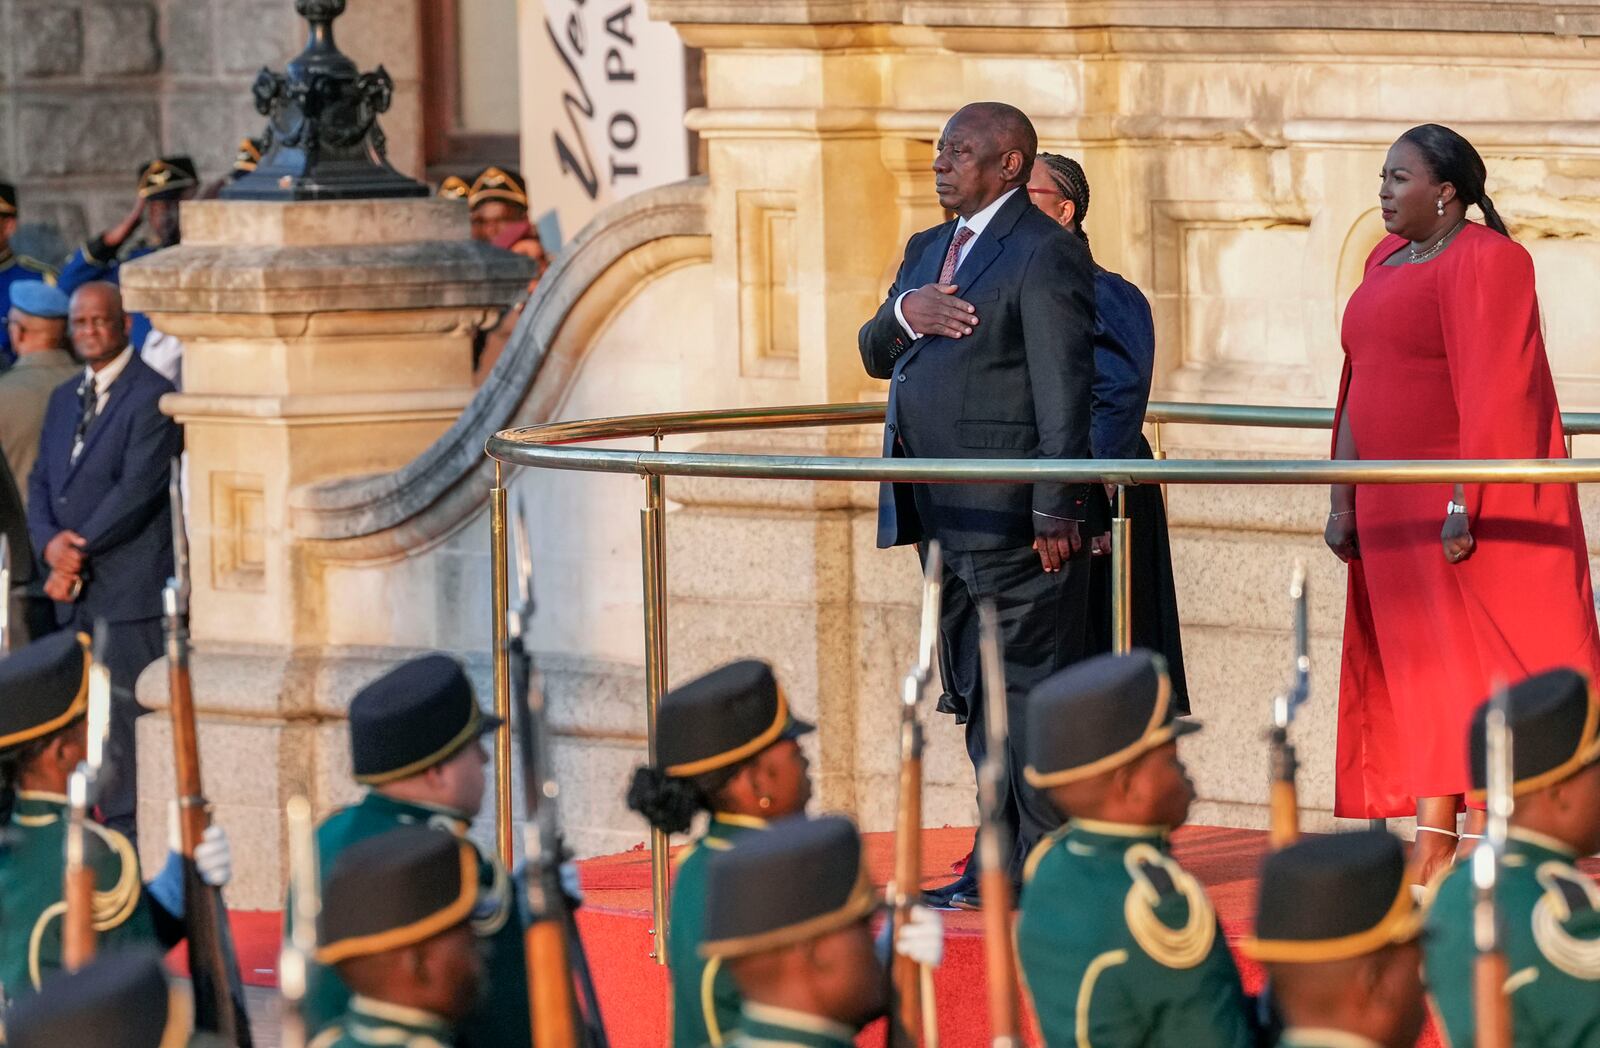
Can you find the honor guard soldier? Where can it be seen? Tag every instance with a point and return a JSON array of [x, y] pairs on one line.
[[163, 184], [1118, 944], [726, 745], [119, 1000], [1550, 910], [415, 744], [396, 922], [454, 187], [788, 915], [14, 268], [44, 698], [1337, 929]]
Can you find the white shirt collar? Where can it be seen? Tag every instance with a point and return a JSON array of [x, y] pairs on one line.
[[108, 374], [978, 222], [1324, 1036]]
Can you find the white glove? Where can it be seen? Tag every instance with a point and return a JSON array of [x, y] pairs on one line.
[[921, 937], [213, 856]]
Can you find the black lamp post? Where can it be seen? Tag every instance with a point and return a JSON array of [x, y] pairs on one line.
[[323, 139]]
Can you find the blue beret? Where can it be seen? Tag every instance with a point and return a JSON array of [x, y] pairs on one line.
[[39, 299]]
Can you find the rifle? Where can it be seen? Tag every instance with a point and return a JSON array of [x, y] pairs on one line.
[[219, 1005], [1492, 1008], [994, 850], [1285, 798], [558, 969], [77, 923], [5, 595], [913, 1019], [300, 945]]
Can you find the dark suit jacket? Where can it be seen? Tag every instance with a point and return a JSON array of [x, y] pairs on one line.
[[115, 495], [1017, 387]]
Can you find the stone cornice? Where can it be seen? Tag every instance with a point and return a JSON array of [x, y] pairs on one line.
[[391, 513], [1492, 16]]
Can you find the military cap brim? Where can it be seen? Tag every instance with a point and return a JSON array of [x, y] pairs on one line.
[[395, 890], [167, 177], [43, 688], [1332, 898], [1098, 715], [118, 1000], [498, 183], [723, 717], [8, 200], [39, 299], [1554, 718], [797, 880], [417, 715]]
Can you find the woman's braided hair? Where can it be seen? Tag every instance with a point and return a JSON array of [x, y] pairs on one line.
[[1072, 183], [1452, 159]]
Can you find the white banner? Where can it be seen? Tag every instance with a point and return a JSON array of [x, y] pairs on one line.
[[602, 106]]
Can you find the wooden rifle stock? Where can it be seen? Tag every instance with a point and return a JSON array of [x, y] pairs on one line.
[[77, 922], [906, 974], [1284, 796], [1005, 1027], [550, 985], [994, 849], [1490, 1003], [1492, 1008]]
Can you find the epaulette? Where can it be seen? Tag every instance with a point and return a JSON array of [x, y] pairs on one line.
[[43, 268], [1566, 920], [1157, 879], [1040, 850]]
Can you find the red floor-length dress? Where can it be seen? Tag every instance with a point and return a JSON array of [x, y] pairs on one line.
[[1445, 360]]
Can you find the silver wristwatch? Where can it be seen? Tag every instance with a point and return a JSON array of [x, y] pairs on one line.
[[1453, 507]]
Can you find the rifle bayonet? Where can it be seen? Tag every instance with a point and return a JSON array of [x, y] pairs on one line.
[[1492, 1009], [99, 713], [5, 595]]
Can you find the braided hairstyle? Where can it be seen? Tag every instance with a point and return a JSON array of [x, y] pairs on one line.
[[1072, 183], [1451, 158]]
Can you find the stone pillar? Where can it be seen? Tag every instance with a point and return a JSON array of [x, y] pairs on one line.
[[322, 340]]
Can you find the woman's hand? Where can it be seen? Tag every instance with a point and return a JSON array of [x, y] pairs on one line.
[[1340, 535], [1456, 536]]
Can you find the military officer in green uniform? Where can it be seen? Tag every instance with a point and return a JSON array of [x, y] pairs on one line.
[[788, 915], [123, 999], [415, 742], [44, 697], [14, 268], [726, 745], [1118, 944], [1550, 910], [1337, 929], [396, 922]]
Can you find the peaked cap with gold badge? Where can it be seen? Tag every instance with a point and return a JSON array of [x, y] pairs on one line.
[[1332, 898], [43, 688], [420, 713], [498, 183], [167, 177], [755, 901], [719, 719], [1098, 715]]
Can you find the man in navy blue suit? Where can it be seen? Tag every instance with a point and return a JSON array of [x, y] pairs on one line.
[[987, 336], [97, 509]]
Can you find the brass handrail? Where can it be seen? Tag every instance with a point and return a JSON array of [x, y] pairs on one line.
[[548, 446]]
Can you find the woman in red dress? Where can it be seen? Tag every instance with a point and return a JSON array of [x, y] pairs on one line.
[[1452, 588]]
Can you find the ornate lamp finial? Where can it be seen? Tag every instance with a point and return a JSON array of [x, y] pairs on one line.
[[322, 139]]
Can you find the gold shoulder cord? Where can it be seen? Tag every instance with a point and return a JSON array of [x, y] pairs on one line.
[[494, 904], [1177, 948], [1579, 958], [708, 1001], [116, 904]]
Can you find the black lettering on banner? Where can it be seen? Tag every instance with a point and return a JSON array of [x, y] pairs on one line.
[[617, 24], [629, 138], [575, 33], [617, 67], [571, 162]]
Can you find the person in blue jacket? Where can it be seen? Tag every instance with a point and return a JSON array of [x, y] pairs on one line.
[[14, 268]]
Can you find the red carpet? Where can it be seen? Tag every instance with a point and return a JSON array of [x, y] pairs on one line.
[[615, 924]]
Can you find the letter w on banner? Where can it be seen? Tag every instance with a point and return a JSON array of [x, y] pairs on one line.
[[602, 108]]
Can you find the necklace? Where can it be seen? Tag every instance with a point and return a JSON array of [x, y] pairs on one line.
[[1438, 245]]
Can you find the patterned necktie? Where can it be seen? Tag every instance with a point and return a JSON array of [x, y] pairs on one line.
[[948, 271], [88, 407]]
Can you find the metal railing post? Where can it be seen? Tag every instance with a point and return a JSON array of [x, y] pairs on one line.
[[1121, 577], [653, 549], [499, 558]]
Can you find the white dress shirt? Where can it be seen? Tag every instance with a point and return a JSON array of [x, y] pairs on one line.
[[977, 223], [103, 378]]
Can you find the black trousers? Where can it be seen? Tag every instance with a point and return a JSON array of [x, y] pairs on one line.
[[130, 647], [1043, 620]]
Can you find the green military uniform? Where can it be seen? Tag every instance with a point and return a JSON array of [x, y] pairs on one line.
[[368, 1022], [1550, 910], [762, 1026], [705, 1001], [415, 717], [1551, 914], [1120, 946]]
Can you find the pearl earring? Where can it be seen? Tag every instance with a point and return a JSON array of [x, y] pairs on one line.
[[765, 803], [1440, 205]]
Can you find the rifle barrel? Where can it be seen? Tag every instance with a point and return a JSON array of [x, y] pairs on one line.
[[994, 874], [77, 923]]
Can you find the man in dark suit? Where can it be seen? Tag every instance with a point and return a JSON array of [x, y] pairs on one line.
[[98, 512], [987, 336]]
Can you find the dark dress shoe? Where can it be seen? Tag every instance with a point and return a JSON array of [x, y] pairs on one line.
[[973, 900], [939, 898]]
